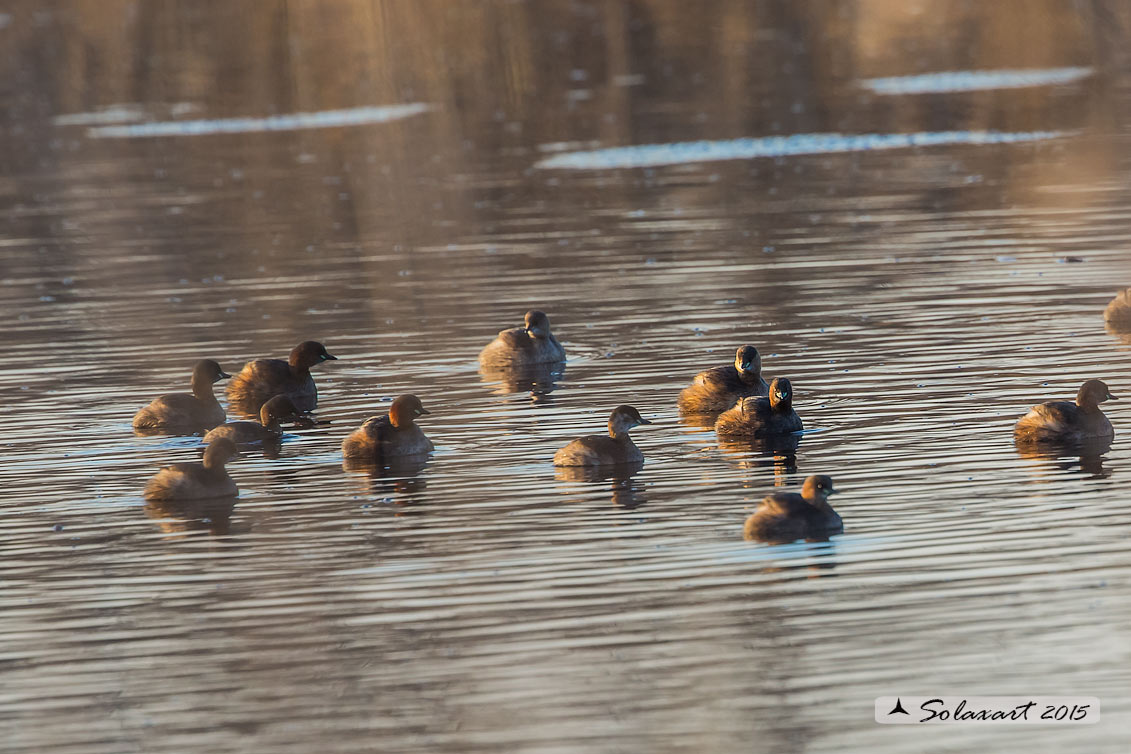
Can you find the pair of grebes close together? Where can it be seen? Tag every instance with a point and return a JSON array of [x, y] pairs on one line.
[[742, 404]]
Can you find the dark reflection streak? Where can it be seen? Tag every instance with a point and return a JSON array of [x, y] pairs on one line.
[[184, 517], [822, 551], [398, 479], [700, 421], [539, 379], [626, 493], [772, 647], [1120, 333], [776, 453], [1108, 36]]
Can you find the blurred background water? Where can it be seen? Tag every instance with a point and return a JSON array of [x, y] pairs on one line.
[[401, 179]]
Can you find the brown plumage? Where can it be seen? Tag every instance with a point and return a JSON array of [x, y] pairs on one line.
[[263, 379], [533, 343], [389, 436], [602, 450], [787, 516], [1065, 421], [1118, 311], [760, 417], [185, 413], [717, 389], [191, 481], [267, 429]]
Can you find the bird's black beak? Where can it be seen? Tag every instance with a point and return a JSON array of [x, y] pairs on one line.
[[1111, 397], [328, 357], [424, 411], [642, 420], [222, 376]]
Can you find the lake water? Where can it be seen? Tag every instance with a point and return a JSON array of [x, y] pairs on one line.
[[923, 255]]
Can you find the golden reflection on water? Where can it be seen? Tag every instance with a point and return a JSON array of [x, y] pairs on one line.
[[1087, 457], [181, 518]]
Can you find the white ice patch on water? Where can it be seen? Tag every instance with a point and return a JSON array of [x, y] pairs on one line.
[[357, 116], [649, 155], [110, 114], [970, 81]]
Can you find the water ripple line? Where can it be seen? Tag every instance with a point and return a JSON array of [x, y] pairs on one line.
[[651, 155], [356, 116], [972, 81]]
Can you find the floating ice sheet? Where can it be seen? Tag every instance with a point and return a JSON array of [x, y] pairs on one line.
[[969, 81], [111, 114], [648, 155], [357, 116]]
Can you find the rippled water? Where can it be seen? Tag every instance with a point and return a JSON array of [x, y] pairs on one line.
[[920, 299]]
